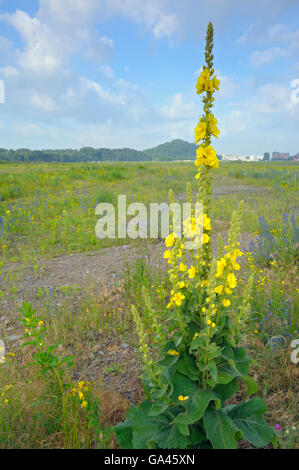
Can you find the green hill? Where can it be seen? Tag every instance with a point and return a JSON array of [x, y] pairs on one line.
[[175, 150]]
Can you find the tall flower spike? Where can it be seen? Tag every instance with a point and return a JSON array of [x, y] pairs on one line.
[[206, 157]]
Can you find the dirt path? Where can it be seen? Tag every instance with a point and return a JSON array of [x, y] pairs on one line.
[[97, 269]]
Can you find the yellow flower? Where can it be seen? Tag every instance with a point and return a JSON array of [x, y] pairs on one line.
[[206, 222], [226, 302], [183, 267], [172, 352], [221, 264], [227, 291], [202, 80], [208, 156], [195, 336], [167, 254], [177, 298], [205, 238], [181, 284], [232, 280], [213, 325], [216, 82], [209, 86], [84, 404], [191, 272], [183, 398], [169, 241], [218, 289], [209, 322], [200, 131], [213, 125]]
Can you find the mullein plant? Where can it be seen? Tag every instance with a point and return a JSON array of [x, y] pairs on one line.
[[193, 362]]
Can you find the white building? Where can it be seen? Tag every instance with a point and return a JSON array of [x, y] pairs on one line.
[[242, 158]]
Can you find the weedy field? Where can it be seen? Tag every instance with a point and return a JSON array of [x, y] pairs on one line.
[[70, 363]]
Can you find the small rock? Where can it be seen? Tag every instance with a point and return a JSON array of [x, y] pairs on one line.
[[125, 345]]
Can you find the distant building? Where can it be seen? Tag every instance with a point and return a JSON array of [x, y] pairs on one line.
[[242, 158], [280, 156], [266, 156]]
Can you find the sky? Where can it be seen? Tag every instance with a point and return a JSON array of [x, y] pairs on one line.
[[122, 73]]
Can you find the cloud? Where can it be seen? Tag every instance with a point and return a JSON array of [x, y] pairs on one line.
[[43, 102], [107, 72], [179, 109], [267, 56]]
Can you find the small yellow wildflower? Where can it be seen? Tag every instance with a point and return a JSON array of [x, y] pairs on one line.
[[183, 398], [191, 272], [173, 352], [226, 302], [169, 241], [167, 254], [183, 267], [232, 280]]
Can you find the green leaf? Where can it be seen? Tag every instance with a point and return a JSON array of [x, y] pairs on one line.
[[158, 408], [184, 429], [238, 359], [182, 385], [212, 368], [150, 430], [248, 417], [195, 407], [226, 391], [251, 384], [186, 365], [213, 351], [159, 393], [220, 429], [123, 431], [177, 338]]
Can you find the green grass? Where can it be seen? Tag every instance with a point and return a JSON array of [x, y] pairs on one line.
[[49, 209]]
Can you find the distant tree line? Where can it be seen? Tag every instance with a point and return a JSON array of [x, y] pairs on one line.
[[175, 150]]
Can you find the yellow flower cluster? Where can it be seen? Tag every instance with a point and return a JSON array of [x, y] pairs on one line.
[[79, 391], [207, 125], [207, 83], [204, 126], [224, 271], [192, 227], [3, 397], [207, 156]]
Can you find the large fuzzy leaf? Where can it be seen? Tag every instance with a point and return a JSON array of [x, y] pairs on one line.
[[220, 429], [123, 430], [248, 417], [155, 431], [237, 361], [195, 407]]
